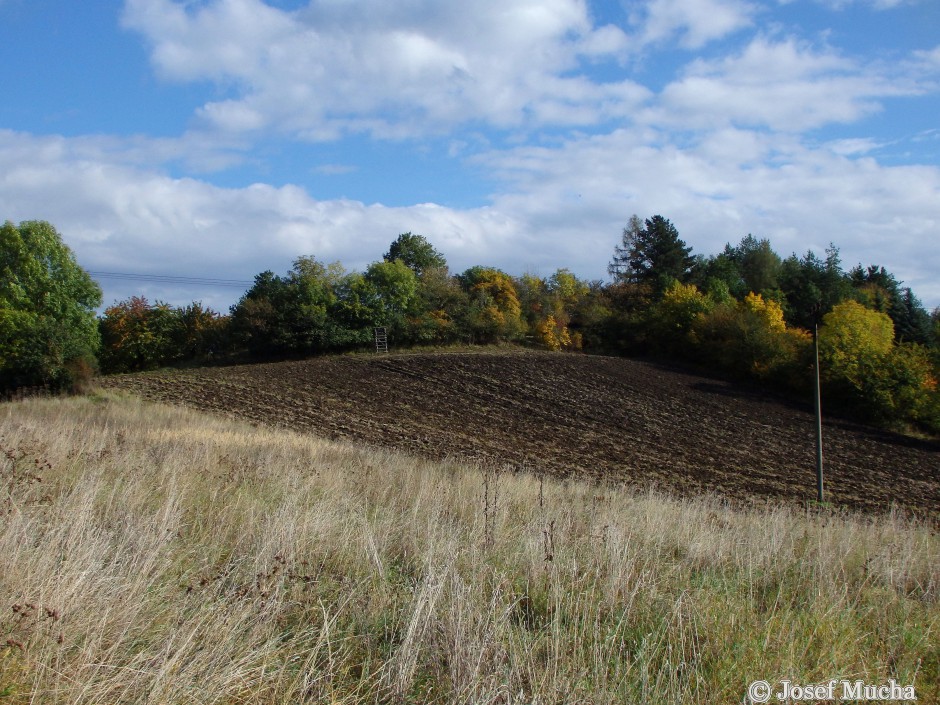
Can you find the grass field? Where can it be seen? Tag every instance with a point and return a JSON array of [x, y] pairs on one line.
[[152, 554]]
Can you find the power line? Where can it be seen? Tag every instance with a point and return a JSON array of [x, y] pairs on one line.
[[172, 279]]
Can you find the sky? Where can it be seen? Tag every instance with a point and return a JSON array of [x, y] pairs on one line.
[[216, 139]]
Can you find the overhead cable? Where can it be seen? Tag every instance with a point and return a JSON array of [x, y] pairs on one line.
[[172, 279]]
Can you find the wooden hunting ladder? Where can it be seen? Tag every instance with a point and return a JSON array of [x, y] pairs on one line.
[[381, 340]]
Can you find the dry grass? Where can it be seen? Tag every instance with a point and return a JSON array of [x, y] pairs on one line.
[[155, 555]]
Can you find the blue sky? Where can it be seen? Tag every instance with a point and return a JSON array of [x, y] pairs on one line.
[[220, 138]]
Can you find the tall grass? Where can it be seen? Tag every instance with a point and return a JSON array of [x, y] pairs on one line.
[[150, 554]]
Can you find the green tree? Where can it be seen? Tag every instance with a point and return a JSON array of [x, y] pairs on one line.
[[721, 272], [759, 265], [855, 357], [416, 252], [383, 296], [534, 299], [592, 318], [566, 290], [878, 289], [550, 308], [200, 332], [875, 287], [440, 312], [866, 368], [912, 379], [48, 331], [911, 320], [812, 286], [258, 323], [935, 334], [653, 255], [292, 315], [395, 286], [749, 339]]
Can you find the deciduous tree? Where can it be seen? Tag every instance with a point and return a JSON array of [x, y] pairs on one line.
[[669, 320], [855, 351], [48, 331], [292, 315], [138, 335], [416, 252], [495, 311]]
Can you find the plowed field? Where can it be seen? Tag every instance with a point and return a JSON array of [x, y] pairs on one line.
[[579, 416]]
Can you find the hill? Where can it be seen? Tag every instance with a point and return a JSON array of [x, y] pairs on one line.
[[569, 416]]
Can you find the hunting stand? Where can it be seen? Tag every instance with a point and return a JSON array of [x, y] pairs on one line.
[[381, 340]]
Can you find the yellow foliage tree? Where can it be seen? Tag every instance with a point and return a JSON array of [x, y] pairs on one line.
[[496, 312], [863, 367], [751, 337], [554, 336], [671, 318], [566, 287], [498, 288], [854, 342], [767, 310]]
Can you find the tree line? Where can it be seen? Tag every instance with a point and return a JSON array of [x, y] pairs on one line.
[[745, 312]]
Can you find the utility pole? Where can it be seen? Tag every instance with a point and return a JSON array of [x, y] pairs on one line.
[[818, 404]]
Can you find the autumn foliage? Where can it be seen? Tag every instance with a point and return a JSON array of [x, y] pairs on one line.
[[864, 366], [137, 335], [745, 313]]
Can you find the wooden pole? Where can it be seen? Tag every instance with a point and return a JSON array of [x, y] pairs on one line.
[[818, 404]]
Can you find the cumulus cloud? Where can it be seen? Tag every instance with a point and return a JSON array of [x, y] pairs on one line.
[[693, 22], [389, 69], [784, 85], [876, 4], [559, 206], [721, 148], [119, 216], [929, 60], [724, 185]]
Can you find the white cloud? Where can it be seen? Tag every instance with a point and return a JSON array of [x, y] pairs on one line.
[[853, 146], [783, 85], [719, 150], [929, 60], [391, 69], [876, 4], [562, 206], [723, 186], [694, 22], [335, 169], [121, 217]]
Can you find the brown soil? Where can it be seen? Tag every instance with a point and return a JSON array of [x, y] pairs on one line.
[[591, 417]]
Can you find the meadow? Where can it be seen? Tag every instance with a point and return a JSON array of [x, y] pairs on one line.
[[155, 554]]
